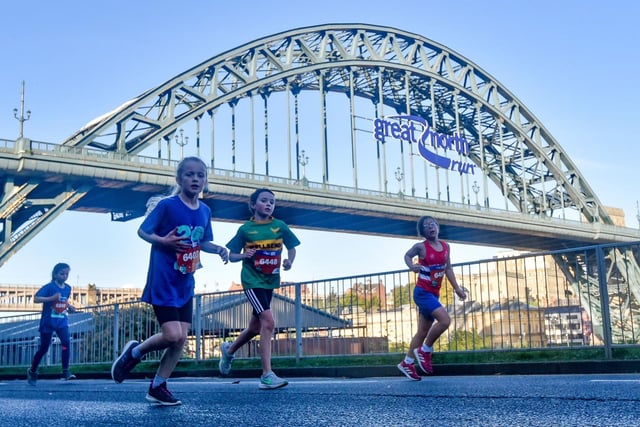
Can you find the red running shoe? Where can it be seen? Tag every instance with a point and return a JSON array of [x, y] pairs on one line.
[[409, 370], [424, 360]]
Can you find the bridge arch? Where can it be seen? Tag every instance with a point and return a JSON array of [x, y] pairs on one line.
[[398, 72]]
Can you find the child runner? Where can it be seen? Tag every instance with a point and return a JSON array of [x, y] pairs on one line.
[[178, 228], [433, 264], [259, 244], [54, 297]]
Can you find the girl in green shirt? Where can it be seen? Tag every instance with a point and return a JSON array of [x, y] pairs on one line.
[[259, 244]]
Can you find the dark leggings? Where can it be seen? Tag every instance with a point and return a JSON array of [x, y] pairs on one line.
[[45, 342]]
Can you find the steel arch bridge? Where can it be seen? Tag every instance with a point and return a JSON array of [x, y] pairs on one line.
[[390, 68], [322, 93]]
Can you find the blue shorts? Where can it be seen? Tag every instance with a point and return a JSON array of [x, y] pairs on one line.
[[426, 301]]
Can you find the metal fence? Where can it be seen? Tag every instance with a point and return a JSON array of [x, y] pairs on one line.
[[584, 297]]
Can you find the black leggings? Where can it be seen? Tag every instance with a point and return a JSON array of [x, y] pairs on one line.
[[45, 343]]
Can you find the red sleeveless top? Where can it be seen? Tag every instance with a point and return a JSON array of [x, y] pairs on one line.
[[432, 268]]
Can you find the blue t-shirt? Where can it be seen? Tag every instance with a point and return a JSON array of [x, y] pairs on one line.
[[54, 313], [170, 281]]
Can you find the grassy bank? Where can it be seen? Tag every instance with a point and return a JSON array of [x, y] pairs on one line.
[[390, 359]]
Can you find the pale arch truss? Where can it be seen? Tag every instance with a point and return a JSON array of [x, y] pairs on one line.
[[402, 71]]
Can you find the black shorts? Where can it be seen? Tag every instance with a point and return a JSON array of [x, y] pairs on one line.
[[260, 299], [166, 314]]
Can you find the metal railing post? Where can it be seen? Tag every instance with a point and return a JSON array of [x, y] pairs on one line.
[[604, 302], [298, 312], [198, 327], [116, 333]]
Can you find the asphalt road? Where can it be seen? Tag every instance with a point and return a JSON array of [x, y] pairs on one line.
[[514, 400]]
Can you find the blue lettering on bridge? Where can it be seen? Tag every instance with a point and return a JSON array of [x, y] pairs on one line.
[[416, 130]]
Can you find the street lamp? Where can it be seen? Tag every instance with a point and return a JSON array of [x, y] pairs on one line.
[[399, 177], [182, 141], [303, 159], [22, 118], [476, 190]]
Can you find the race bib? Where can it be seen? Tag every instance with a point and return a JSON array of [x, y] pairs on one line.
[[59, 306], [189, 261], [267, 262], [432, 275]]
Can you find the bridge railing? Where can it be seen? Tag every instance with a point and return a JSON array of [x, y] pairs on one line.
[[33, 147], [579, 298]]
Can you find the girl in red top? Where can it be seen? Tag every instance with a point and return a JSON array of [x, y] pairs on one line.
[[433, 265]]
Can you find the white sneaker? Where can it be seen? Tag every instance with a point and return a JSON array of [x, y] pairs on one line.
[[225, 359], [271, 381]]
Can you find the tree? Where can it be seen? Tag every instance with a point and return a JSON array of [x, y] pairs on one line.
[[135, 322], [403, 295], [447, 295], [467, 340]]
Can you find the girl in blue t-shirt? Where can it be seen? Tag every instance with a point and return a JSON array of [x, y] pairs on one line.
[[178, 228], [54, 297]]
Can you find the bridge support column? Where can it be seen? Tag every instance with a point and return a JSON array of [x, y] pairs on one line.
[[604, 302]]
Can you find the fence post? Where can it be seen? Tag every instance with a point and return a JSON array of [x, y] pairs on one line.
[[198, 326], [116, 330], [298, 312], [604, 302]]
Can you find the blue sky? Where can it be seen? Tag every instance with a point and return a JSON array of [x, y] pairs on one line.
[[572, 63]]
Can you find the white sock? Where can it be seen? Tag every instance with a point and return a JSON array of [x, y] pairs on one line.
[[408, 359], [427, 348]]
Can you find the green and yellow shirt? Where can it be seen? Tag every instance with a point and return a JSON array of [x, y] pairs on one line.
[[268, 238]]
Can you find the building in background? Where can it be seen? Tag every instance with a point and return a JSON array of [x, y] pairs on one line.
[[18, 299]]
